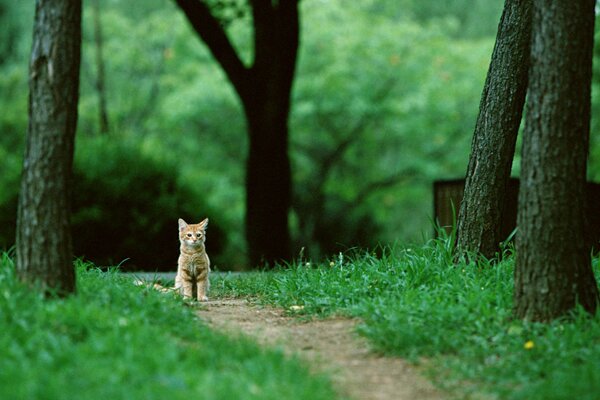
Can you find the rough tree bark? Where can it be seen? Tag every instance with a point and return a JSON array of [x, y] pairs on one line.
[[44, 249], [493, 145], [264, 89], [553, 267]]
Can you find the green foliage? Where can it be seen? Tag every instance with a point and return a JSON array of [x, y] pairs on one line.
[[594, 158], [384, 102], [114, 340], [126, 205], [464, 16], [229, 11], [359, 76], [383, 106], [416, 303], [15, 17]]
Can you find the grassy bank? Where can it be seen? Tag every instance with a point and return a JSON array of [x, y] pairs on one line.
[[416, 303], [113, 340]]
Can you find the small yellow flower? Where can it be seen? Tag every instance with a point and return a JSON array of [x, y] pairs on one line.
[[331, 264], [296, 308], [529, 345]]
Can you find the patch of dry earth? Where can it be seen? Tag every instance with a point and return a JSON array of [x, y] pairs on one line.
[[329, 345]]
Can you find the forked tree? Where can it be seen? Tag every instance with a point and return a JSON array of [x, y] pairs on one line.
[[553, 266], [493, 144], [44, 257], [264, 88]]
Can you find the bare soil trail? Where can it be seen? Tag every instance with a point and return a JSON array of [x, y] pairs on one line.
[[329, 345]]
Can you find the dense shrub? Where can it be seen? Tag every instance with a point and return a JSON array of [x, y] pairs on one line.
[[125, 207]]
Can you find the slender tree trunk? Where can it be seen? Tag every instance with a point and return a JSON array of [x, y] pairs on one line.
[[553, 267], [44, 249], [100, 81], [493, 146]]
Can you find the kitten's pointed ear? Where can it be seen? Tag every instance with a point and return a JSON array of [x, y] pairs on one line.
[[182, 224], [204, 223]]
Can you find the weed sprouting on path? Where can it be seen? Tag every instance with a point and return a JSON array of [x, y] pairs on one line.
[[114, 340], [415, 302]]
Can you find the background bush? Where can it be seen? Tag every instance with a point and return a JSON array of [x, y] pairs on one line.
[[125, 207]]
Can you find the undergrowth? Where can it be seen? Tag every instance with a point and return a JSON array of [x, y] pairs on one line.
[[417, 303], [114, 340]]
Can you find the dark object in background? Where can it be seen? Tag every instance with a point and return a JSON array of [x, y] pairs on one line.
[[447, 193]]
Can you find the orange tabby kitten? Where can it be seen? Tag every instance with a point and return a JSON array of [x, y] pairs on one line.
[[193, 265]]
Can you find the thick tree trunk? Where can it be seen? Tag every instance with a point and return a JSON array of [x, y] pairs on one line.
[[265, 92], [268, 186], [493, 146], [553, 267], [44, 254], [266, 97]]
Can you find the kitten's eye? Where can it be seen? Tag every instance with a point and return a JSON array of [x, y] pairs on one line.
[[198, 234], [189, 235]]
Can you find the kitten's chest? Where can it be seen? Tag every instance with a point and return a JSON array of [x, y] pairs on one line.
[[194, 263]]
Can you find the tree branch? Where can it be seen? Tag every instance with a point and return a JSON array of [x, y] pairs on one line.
[[383, 183], [212, 33]]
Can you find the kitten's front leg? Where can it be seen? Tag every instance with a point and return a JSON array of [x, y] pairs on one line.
[[202, 286], [178, 282], [187, 288]]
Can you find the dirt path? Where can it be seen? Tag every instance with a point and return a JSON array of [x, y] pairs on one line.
[[328, 345]]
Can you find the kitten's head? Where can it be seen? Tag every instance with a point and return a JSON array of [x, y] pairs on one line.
[[192, 235]]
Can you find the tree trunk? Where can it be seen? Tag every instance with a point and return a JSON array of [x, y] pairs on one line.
[[266, 97], [100, 81], [493, 146], [268, 185], [44, 249], [264, 89], [553, 267]]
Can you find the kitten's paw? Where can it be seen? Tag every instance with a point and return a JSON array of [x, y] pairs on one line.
[[204, 298]]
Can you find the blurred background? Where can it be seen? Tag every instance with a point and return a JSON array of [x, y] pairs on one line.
[[384, 102]]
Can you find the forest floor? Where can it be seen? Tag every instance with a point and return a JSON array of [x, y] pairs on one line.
[[328, 346]]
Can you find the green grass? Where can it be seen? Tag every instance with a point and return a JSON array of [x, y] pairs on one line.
[[113, 340], [417, 304]]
